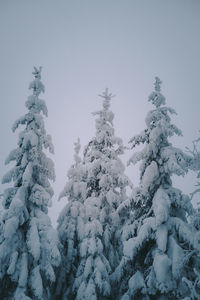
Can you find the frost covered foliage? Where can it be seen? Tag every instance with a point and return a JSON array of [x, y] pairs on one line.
[[194, 286], [1, 207], [195, 166], [28, 243], [71, 227], [163, 245], [105, 190], [195, 162]]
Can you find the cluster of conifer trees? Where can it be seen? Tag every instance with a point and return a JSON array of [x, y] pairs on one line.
[[108, 244]]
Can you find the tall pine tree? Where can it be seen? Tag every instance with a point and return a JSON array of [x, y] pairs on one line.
[[160, 253], [28, 243], [195, 163], [194, 282], [106, 189], [71, 227]]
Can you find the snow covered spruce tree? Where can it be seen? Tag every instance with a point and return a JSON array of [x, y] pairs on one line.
[[160, 253], [28, 243], [195, 163], [71, 227], [194, 283], [195, 166], [105, 190]]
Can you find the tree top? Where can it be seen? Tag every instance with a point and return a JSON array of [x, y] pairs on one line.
[[157, 84], [156, 97], [37, 72], [36, 84], [106, 98]]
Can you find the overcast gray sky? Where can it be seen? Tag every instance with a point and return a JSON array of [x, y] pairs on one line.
[[87, 45]]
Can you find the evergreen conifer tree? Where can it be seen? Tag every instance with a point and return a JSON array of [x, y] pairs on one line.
[[28, 243], [106, 189], [162, 250], [194, 282], [71, 226], [195, 163]]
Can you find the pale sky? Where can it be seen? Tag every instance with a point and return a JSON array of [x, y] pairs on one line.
[[87, 45]]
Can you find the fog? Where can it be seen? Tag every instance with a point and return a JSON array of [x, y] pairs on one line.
[[87, 45]]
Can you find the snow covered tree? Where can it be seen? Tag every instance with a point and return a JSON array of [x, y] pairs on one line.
[[1, 207], [195, 166], [105, 191], [194, 283], [71, 226], [162, 250], [28, 243], [195, 162]]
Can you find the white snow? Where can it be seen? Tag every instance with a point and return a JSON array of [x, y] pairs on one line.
[[162, 237], [136, 282], [162, 265], [161, 206], [150, 176]]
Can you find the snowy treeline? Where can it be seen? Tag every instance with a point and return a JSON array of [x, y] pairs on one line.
[[109, 244]]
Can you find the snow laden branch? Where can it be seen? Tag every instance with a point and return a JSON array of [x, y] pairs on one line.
[[159, 246], [89, 224], [28, 243]]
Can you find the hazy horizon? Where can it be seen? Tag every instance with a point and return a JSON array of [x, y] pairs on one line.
[[86, 46]]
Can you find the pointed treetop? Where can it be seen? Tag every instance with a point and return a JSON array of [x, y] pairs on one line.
[[107, 97], [77, 147], [157, 84], [36, 84], [37, 72], [156, 97]]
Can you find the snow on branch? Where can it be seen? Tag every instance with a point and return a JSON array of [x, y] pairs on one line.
[[183, 230], [133, 245]]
